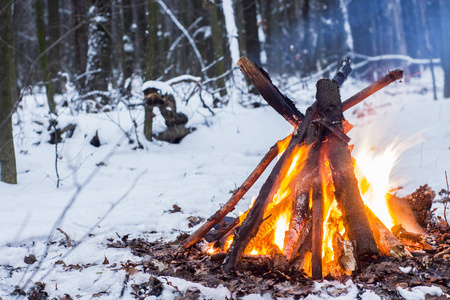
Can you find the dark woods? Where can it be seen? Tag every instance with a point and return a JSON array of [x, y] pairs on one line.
[[96, 47], [107, 41]]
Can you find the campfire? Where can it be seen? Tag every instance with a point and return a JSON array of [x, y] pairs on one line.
[[319, 211]]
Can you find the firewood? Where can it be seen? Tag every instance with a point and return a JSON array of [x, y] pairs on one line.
[[343, 250], [299, 215], [262, 82], [237, 195], [344, 70], [371, 89], [302, 246], [317, 228], [403, 214], [346, 186], [387, 243], [301, 186], [251, 224]]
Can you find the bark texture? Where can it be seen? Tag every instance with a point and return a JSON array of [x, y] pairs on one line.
[[7, 96]]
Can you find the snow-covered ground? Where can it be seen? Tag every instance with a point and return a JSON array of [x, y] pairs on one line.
[[117, 190]]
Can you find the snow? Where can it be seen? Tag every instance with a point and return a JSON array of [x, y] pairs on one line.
[[163, 87], [405, 269], [117, 190], [418, 293]]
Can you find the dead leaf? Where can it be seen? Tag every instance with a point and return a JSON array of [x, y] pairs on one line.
[[175, 209], [194, 221], [106, 261], [30, 259], [99, 294]]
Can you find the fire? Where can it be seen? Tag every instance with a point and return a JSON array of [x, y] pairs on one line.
[[373, 168], [281, 227]]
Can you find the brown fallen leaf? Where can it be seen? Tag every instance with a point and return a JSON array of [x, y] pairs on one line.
[[30, 259], [175, 209]]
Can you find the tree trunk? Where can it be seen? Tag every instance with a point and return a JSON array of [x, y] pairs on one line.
[[99, 53], [80, 40], [53, 35], [128, 42], [150, 61], [139, 12], [445, 12], [217, 35], [44, 60], [152, 38], [7, 95], [251, 31]]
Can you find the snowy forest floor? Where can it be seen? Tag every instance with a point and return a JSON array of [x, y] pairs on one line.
[[116, 190]]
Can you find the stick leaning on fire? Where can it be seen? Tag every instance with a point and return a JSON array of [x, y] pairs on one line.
[[327, 99]]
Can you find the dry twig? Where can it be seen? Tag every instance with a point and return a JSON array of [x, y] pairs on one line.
[[446, 200], [69, 241]]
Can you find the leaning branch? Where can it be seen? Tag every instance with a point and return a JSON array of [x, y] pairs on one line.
[[371, 89], [237, 195], [262, 82]]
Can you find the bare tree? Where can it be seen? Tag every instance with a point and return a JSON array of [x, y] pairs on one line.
[[40, 24], [7, 95]]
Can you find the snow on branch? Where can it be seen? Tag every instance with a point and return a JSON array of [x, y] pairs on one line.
[[185, 32], [178, 40], [411, 60]]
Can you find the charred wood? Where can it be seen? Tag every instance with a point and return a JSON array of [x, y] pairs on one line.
[[346, 186], [262, 82], [317, 228]]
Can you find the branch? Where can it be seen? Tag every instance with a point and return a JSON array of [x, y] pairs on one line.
[[30, 72], [237, 195], [343, 72], [185, 32], [411, 60], [446, 200], [371, 89], [178, 40], [262, 82]]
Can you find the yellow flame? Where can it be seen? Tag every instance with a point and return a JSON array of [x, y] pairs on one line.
[[281, 226], [373, 169], [210, 249], [254, 252]]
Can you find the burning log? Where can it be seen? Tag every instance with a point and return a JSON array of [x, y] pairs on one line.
[[346, 186], [387, 243], [317, 226], [254, 219]]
